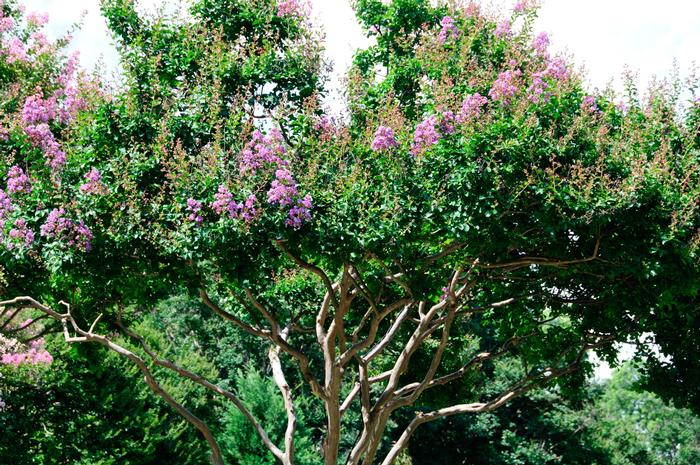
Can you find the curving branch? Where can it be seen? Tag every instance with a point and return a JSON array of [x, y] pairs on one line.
[[311, 268], [164, 363], [89, 336], [528, 383]]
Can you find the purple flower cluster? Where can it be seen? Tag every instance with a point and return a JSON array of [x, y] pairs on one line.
[[472, 107], [300, 213], [246, 210], [502, 29], [505, 87], [36, 114], [74, 234], [325, 125], [447, 122], [289, 8], [263, 150], [15, 50], [222, 201], [425, 136], [384, 139], [38, 110], [20, 234], [541, 44], [521, 6], [588, 105], [557, 70], [34, 356], [195, 208], [622, 106], [5, 208], [537, 92], [94, 183], [283, 189], [42, 137], [449, 29], [17, 181]]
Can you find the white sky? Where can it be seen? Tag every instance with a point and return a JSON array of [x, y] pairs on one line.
[[604, 35]]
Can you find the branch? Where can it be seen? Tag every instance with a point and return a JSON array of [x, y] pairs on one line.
[[275, 336], [281, 382], [356, 390], [28, 302], [528, 383], [206, 384], [543, 261], [311, 268], [229, 317]]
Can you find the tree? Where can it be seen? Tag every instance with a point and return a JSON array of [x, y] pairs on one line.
[[479, 206]]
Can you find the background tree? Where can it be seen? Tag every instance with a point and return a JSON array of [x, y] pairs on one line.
[[487, 208]]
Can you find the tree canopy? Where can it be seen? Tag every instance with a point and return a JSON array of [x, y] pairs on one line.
[[478, 203]]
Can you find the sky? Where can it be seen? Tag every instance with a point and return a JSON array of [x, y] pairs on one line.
[[606, 36]]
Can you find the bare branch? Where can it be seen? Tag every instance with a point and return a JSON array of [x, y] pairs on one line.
[[312, 268], [28, 302], [206, 384], [528, 383], [275, 336], [229, 317], [543, 261]]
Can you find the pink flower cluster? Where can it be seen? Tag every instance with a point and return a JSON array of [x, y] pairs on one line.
[[17, 181], [15, 50], [283, 189], [74, 234], [472, 107], [37, 19], [42, 137], [505, 87], [20, 235], [41, 43], [6, 23], [195, 208], [94, 183], [426, 135], [300, 213], [588, 105], [502, 29], [38, 110], [5, 208], [537, 92], [384, 139], [34, 356], [541, 44], [289, 8], [263, 150], [449, 29]]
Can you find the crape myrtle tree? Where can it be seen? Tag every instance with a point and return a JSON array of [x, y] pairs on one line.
[[478, 204]]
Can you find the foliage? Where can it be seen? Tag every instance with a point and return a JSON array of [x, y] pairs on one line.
[[90, 407], [479, 198]]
